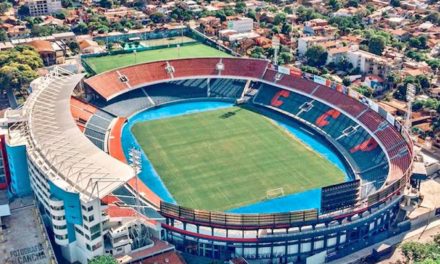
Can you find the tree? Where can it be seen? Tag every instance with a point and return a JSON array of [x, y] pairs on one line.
[[393, 79], [288, 10], [23, 11], [346, 24], [74, 47], [103, 260], [334, 4], [80, 29], [41, 31], [365, 91], [423, 81], [395, 3], [252, 14], [179, 13], [353, 3], [157, 17], [279, 18], [316, 56], [285, 57], [106, 3], [310, 69], [286, 28], [305, 14], [3, 35], [434, 64], [376, 44], [240, 7], [257, 52], [4, 6], [346, 81], [221, 15], [434, 17], [17, 67]]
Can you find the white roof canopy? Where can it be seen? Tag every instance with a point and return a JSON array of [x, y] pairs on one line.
[[62, 151]]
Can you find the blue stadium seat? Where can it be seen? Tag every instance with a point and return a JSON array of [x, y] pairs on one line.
[[226, 88], [311, 110], [127, 104], [177, 90], [97, 126]]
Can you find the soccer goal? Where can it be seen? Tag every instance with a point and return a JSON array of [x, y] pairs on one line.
[[274, 193]]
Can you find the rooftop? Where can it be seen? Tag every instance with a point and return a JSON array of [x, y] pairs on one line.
[[73, 163], [20, 245]]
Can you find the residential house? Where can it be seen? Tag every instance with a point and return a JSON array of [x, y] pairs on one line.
[[49, 52]]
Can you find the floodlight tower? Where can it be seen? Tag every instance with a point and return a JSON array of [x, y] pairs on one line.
[[135, 162], [140, 235], [410, 95], [276, 47]]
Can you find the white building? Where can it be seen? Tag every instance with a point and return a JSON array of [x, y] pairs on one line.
[[241, 25], [370, 63], [306, 42], [43, 7]]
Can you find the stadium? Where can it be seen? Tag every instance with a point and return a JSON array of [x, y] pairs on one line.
[[217, 157]]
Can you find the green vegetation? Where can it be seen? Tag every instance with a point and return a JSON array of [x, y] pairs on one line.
[[422, 253], [421, 83], [105, 63], [376, 44], [316, 56], [223, 159], [103, 260], [18, 67]]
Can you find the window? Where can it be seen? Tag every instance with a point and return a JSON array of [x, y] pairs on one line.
[[96, 246], [57, 208], [61, 237], [94, 236], [59, 227], [95, 228], [79, 231], [59, 218], [89, 218]]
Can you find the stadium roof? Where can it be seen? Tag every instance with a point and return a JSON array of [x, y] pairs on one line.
[[69, 159]]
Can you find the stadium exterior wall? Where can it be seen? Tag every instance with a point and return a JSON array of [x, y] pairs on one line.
[[293, 243]]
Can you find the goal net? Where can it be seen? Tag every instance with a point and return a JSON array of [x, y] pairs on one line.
[[274, 193]]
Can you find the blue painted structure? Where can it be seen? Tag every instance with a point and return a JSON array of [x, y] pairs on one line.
[[17, 159], [72, 207]]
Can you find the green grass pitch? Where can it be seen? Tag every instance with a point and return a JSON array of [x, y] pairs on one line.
[[105, 63], [227, 158]]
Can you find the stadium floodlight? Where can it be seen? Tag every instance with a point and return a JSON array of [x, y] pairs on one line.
[[135, 57], [220, 66], [410, 95], [169, 69], [276, 47]]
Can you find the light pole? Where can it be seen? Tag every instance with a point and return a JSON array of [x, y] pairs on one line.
[[135, 58], [275, 46], [410, 95]]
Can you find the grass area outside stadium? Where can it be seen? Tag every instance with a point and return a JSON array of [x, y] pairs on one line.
[[105, 63], [227, 158]]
